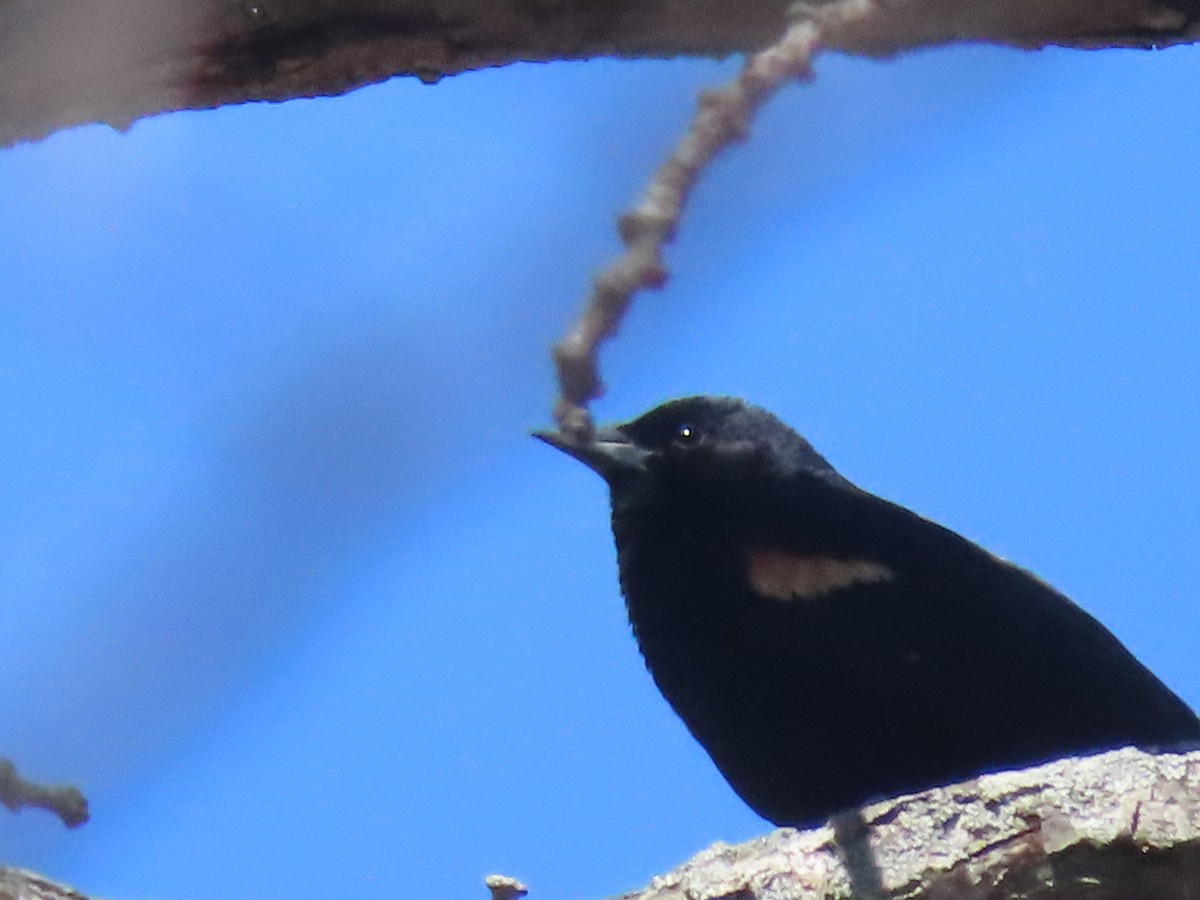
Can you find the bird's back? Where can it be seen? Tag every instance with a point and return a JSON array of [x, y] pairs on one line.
[[953, 665]]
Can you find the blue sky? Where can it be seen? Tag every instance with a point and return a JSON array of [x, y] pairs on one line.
[[291, 594]]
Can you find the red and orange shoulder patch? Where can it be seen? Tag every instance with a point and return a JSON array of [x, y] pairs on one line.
[[788, 576]]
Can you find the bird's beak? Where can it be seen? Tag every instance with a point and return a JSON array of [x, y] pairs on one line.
[[609, 452]]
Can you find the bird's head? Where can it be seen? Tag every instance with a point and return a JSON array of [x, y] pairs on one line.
[[697, 441]]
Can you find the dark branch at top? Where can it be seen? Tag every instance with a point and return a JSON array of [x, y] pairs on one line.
[[65, 63]]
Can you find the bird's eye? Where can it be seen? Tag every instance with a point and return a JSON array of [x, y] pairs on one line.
[[687, 435]]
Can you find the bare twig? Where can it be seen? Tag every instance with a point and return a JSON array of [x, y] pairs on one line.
[[64, 800], [504, 887], [723, 117]]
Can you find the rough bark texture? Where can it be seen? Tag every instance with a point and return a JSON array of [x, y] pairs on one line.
[[63, 62], [17, 884], [1120, 826]]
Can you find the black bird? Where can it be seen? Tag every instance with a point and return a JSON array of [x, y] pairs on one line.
[[829, 648]]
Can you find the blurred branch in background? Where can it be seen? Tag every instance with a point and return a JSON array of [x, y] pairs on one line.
[[64, 800]]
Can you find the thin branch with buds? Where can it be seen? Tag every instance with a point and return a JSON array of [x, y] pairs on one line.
[[723, 118]]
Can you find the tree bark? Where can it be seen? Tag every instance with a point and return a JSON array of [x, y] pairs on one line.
[[65, 63], [1123, 825], [18, 884]]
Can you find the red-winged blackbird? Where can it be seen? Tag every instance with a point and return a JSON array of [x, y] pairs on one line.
[[827, 647]]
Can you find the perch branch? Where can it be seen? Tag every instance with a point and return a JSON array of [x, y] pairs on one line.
[[1123, 825]]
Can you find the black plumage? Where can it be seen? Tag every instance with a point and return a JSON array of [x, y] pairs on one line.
[[827, 647]]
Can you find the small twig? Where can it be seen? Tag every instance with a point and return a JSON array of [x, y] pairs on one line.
[[64, 800], [723, 117], [505, 888]]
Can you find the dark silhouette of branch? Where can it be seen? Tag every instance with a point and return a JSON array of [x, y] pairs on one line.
[[64, 800], [64, 63]]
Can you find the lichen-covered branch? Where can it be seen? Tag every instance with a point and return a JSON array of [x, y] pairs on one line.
[[502, 887], [1123, 825], [19, 884]]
